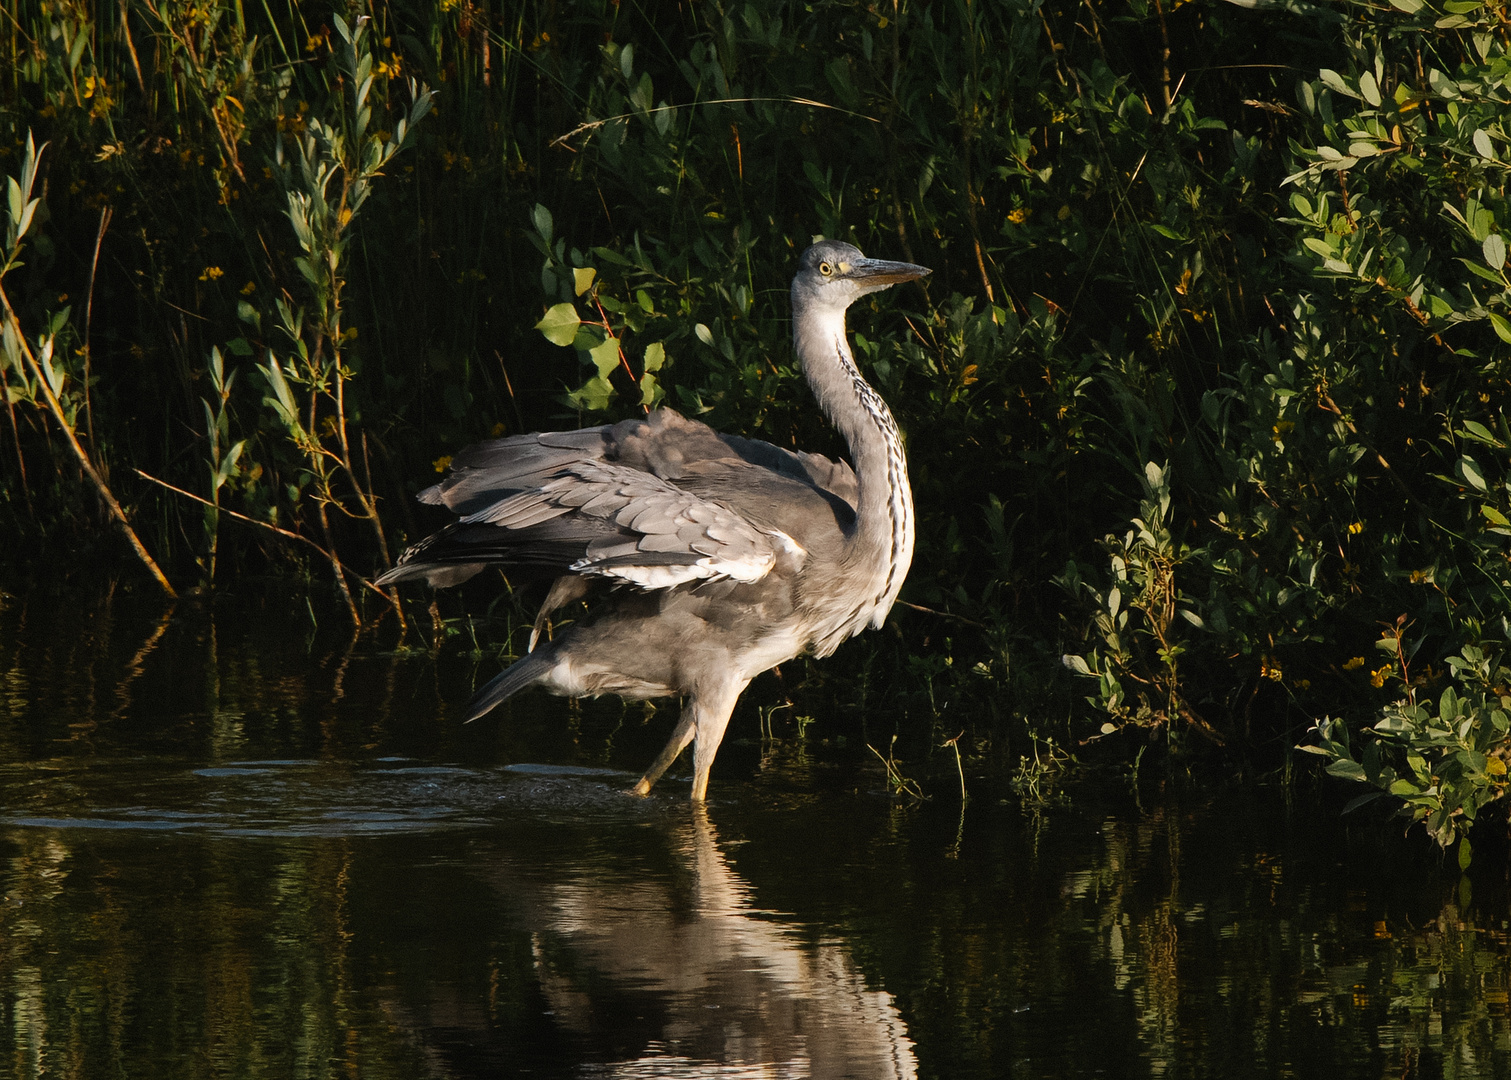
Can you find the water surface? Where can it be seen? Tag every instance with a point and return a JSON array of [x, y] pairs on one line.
[[236, 845]]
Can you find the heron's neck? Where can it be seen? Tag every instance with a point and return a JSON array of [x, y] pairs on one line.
[[884, 516]]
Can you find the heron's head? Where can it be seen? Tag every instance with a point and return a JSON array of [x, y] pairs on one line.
[[833, 275]]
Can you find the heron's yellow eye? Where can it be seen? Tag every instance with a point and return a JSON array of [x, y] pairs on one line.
[[825, 269]]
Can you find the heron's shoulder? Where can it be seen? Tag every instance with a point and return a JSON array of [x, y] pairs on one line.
[[835, 477], [662, 443], [668, 444]]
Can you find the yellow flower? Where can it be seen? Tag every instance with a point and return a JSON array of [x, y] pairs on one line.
[[1377, 677], [1353, 665], [1018, 216], [212, 273], [249, 288], [1356, 528], [443, 463], [497, 430]]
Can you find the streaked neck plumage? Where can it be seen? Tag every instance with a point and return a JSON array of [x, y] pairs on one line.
[[883, 536]]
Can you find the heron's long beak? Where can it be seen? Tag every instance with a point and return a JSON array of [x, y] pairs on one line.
[[878, 273]]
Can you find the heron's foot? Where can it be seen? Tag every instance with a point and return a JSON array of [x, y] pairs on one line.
[[642, 787]]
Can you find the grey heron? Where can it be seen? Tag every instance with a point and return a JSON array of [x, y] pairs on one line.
[[707, 558]]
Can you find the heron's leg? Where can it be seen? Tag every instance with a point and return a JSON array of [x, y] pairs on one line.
[[682, 734], [713, 718]]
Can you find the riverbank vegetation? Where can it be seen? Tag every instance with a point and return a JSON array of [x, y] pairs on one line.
[[1205, 400]]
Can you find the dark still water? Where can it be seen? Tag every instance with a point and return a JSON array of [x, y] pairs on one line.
[[233, 846]]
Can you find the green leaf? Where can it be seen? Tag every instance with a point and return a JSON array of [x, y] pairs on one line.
[[1346, 769], [1494, 250], [542, 220], [605, 356], [228, 463], [655, 356], [1469, 469], [1479, 271], [1483, 146], [1369, 88], [1473, 429], [1333, 81], [650, 390], [559, 324], [282, 400], [1465, 853], [1362, 800], [582, 278], [1501, 327], [593, 395], [1077, 664]]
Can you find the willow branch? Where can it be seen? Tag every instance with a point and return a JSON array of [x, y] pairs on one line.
[[84, 462]]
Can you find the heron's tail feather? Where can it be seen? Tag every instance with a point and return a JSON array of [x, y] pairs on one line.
[[514, 678]]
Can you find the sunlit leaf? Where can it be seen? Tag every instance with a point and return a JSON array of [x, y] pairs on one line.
[[1077, 664], [560, 324], [605, 356]]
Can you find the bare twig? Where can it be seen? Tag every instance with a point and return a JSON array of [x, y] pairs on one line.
[[15, 430], [941, 614], [954, 744], [105, 213], [594, 125], [285, 533], [136, 65], [84, 460]]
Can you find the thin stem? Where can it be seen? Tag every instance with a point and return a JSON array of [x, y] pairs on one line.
[[15, 430], [84, 462], [285, 533], [105, 214]]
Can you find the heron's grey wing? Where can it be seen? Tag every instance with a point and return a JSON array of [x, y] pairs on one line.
[[535, 479], [664, 444], [488, 471], [603, 520], [798, 514], [638, 528]]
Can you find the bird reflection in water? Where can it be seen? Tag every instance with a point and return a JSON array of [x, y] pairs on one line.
[[683, 977]]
